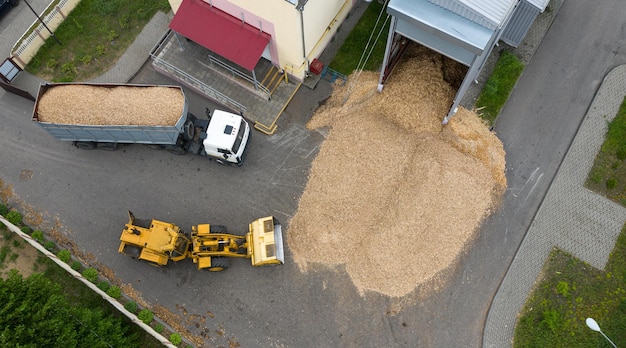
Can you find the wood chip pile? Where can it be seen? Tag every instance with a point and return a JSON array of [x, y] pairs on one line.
[[121, 105], [393, 195]]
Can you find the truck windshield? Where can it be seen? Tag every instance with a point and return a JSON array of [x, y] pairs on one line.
[[240, 133]]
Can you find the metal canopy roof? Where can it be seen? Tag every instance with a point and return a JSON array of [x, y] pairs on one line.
[[489, 13], [220, 32], [438, 21]]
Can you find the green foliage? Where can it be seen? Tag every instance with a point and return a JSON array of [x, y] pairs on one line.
[[35, 313], [146, 316], [76, 265], [52, 64], [562, 288], [114, 291], [69, 70], [349, 55], [38, 236], [103, 285], [131, 306], [91, 274], [64, 255], [611, 183], [17, 244], [175, 338], [49, 245], [86, 59], [14, 217], [100, 50], [3, 209], [608, 176], [499, 85], [4, 252], [112, 35], [26, 229], [158, 327]]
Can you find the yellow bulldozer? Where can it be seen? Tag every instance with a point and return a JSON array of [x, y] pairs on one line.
[[209, 246]]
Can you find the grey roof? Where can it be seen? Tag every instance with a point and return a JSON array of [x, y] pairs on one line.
[[445, 24], [489, 13], [540, 4]]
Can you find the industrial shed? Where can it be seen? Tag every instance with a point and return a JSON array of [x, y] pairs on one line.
[[463, 30]]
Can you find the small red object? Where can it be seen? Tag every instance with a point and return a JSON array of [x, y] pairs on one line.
[[316, 66]]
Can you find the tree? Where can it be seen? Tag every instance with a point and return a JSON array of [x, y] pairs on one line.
[[35, 313]]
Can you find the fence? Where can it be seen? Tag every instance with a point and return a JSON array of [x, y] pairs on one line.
[[27, 46]]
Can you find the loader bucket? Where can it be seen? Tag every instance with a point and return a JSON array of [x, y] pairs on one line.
[[265, 242]]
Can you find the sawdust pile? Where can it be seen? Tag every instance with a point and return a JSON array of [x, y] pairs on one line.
[[393, 195], [119, 105]]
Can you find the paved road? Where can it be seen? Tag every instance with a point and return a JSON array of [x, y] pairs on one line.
[[89, 192]]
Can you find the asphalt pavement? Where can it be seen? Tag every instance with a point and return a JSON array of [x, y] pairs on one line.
[[551, 127]]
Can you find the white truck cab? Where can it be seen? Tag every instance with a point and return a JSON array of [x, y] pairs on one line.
[[227, 137]]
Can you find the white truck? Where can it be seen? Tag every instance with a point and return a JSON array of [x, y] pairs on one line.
[[105, 115]]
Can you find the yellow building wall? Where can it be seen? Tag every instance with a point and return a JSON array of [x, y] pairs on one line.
[[282, 21]]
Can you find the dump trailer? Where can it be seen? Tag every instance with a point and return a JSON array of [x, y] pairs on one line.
[[209, 246], [104, 115]]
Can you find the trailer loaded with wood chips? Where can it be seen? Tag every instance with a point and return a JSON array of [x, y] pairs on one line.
[[105, 115]]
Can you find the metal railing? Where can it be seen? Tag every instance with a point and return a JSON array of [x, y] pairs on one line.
[[238, 74], [206, 89]]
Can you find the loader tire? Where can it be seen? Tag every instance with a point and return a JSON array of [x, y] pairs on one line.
[[132, 251], [218, 264], [218, 229]]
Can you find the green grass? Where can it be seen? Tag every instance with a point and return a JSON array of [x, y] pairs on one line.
[[608, 174], [94, 35], [569, 290], [499, 86], [349, 54]]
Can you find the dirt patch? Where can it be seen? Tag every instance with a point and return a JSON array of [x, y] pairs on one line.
[[19, 255], [394, 195]]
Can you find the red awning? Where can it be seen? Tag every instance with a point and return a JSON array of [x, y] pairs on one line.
[[220, 32]]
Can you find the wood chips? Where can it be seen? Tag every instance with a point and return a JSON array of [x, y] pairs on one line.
[[120, 105], [393, 195]]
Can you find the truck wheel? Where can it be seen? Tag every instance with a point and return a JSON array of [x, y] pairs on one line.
[[218, 264], [107, 146], [85, 145], [189, 131], [176, 150]]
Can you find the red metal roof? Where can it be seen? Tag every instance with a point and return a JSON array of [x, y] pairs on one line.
[[220, 32]]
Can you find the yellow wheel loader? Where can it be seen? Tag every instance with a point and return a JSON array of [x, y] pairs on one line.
[[209, 246]]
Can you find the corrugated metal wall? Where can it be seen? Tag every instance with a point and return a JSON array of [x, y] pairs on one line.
[[519, 25]]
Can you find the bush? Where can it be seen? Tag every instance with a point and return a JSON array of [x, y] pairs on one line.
[[14, 217], [611, 183], [3, 209], [103, 285], [158, 328], [49, 245], [146, 316], [91, 274], [64, 255], [38, 236], [76, 265], [176, 339], [114, 291], [131, 306], [26, 229]]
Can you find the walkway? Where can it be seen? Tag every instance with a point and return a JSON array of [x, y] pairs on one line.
[[571, 217]]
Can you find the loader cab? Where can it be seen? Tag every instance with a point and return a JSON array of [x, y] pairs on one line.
[[227, 137]]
